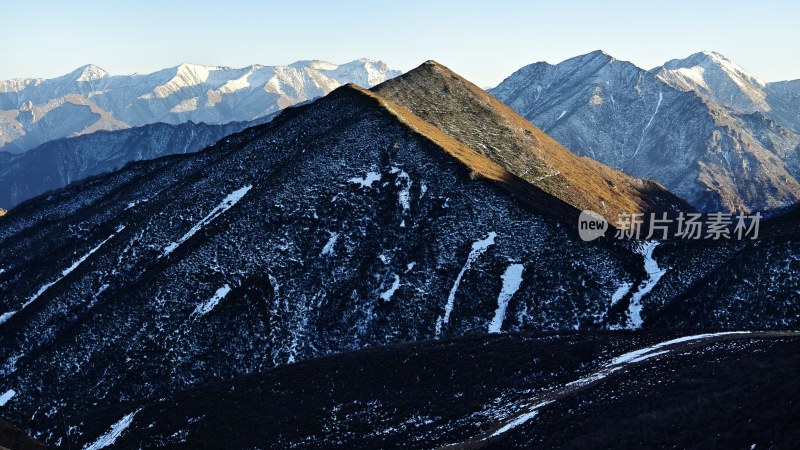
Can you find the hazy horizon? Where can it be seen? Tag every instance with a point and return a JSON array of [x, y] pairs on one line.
[[485, 42]]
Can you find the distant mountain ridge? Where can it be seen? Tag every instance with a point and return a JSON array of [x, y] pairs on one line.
[[664, 125], [35, 111], [57, 163]]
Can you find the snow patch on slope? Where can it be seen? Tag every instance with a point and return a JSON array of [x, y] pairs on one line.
[[328, 248], [519, 420], [7, 396], [389, 293], [654, 274], [478, 248], [206, 307], [512, 278], [111, 436], [227, 203], [367, 181], [64, 273], [404, 182], [637, 355]]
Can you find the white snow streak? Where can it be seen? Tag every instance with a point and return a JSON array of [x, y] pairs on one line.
[[654, 274], [111, 436], [512, 278], [227, 203], [328, 248], [403, 181], [522, 418], [64, 273], [477, 249], [649, 122], [623, 289], [367, 180], [637, 355], [206, 307], [386, 296], [610, 367], [7, 396]]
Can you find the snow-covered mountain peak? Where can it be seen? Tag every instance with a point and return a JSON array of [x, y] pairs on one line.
[[718, 79], [89, 72], [710, 61], [626, 117]]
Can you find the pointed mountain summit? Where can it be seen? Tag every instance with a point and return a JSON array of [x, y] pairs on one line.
[[722, 81], [718, 79], [89, 72], [488, 127]]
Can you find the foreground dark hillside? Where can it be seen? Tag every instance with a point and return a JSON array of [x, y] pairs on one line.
[[605, 390]]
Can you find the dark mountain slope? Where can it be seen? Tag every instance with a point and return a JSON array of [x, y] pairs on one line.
[[605, 390], [476, 119], [332, 228], [752, 284]]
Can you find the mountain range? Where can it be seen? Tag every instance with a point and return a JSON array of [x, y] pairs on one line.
[[399, 266], [89, 99], [420, 209], [703, 127]]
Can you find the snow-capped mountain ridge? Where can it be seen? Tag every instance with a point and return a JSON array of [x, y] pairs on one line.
[[670, 125], [717, 78], [90, 99]]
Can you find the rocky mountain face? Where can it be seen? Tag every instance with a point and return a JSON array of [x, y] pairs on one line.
[[362, 219], [715, 157], [789, 93], [58, 163], [35, 111]]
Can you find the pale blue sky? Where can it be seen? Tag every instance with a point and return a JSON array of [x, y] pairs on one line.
[[484, 41]]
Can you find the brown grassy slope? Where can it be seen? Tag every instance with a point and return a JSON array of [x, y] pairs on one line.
[[488, 127], [480, 166]]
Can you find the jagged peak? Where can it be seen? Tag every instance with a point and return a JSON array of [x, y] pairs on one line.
[[712, 60], [89, 72]]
